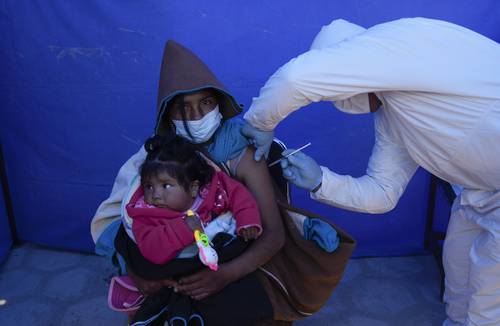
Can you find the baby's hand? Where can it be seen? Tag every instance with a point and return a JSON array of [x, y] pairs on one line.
[[249, 232]]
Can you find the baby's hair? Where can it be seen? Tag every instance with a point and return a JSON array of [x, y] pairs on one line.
[[177, 157]]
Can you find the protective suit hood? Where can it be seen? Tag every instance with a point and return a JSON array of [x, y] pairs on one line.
[[183, 72], [337, 31], [330, 36]]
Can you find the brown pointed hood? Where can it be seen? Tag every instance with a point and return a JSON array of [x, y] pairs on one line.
[[183, 72]]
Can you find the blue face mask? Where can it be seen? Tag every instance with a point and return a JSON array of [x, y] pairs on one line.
[[201, 129]]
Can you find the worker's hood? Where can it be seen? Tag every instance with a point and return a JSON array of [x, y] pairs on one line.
[[330, 36], [339, 30]]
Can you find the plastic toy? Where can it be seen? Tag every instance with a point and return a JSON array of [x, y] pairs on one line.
[[207, 254]]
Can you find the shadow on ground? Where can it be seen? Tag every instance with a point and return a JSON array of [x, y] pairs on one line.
[[46, 287]]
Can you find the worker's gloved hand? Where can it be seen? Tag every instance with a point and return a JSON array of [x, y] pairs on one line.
[[260, 139], [301, 170]]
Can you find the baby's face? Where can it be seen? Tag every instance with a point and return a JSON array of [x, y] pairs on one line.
[[164, 191]]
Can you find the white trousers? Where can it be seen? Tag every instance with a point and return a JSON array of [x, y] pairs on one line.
[[471, 260]]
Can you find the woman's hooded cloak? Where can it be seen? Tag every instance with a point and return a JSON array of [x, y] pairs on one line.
[[183, 72]]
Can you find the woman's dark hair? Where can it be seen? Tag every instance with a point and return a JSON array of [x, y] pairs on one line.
[[177, 157]]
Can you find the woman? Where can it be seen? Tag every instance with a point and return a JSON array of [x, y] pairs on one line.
[[188, 101]]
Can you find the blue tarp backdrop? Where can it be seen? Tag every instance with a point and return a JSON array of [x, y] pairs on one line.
[[78, 92]]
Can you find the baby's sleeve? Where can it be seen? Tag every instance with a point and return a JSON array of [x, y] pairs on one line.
[[160, 240], [241, 203]]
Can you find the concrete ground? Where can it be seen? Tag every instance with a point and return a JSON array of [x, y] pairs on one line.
[[40, 286]]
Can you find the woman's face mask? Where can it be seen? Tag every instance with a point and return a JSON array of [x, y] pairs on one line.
[[202, 129]]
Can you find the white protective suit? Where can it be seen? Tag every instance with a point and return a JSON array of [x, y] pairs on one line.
[[439, 85]]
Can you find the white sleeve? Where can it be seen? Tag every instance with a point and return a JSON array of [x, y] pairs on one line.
[[110, 209], [404, 55], [390, 168]]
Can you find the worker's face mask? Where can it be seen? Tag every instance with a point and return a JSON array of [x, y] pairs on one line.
[[201, 129], [357, 104]]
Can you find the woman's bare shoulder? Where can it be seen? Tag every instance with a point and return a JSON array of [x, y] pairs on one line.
[[248, 167]]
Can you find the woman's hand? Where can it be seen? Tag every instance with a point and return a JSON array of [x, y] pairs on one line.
[[147, 287], [204, 283]]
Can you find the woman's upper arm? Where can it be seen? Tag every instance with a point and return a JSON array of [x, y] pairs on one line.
[[256, 177]]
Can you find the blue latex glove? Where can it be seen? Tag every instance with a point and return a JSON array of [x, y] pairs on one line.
[[260, 139], [322, 233], [301, 170]]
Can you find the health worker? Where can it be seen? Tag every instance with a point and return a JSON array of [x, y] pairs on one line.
[[435, 90]]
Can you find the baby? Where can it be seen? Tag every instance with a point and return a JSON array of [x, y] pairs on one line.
[[175, 178]]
